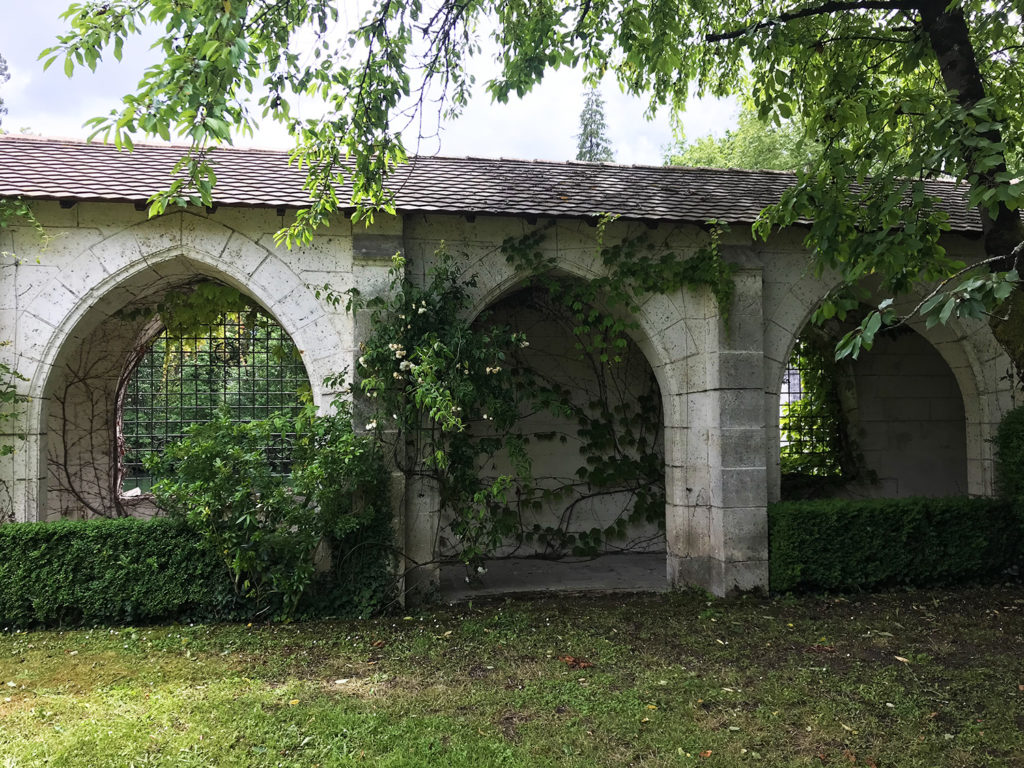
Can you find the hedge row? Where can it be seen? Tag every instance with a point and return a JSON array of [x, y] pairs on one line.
[[838, 544], [108, 572], [130, 571]]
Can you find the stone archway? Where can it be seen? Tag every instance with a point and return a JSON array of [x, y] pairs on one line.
[[962, 353], [95, 338]]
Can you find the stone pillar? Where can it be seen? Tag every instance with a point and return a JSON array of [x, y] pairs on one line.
[[720, 539], [21, 342], [415, 500]]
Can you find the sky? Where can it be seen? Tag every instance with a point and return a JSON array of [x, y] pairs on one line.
[[542, 125]]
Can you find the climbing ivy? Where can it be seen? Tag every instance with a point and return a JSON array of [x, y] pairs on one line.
[[814, 425], [450, 396], [441, 395], [635, 266], [11, 211]]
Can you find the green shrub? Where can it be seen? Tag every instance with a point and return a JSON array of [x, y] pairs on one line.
[[239, 541], [838, 544], [227, 480], [108, 572], [1010, 456]]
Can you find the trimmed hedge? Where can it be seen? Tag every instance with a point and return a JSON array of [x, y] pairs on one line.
[[1010, 455], [130, 571], [838, 544], [109, 572]]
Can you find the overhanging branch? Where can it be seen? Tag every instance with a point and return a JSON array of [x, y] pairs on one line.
[[817, 10]]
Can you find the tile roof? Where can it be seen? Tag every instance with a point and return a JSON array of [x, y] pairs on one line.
[[63, 169]]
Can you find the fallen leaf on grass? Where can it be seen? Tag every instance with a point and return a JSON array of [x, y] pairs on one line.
[[900, 658], [706, 753], [575, 663]]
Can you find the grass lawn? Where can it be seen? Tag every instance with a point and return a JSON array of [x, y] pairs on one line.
[[923, 678]]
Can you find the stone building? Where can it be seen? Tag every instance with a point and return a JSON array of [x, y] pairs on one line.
[[923, 404]]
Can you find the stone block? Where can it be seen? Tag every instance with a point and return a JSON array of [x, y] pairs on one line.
[[205, 235], [740, 534], [256, 221], [740, 408], [687, 530], [109, 217], [701, 373], [382, 224], [273, 280], [159, 234], [675, 446], [739, 487], [717, 577], [739, 447], [658, 314], [745, 333], [740, 370]]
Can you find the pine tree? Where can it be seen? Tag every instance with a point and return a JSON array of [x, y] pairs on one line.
[[4, 77], [592, 141]]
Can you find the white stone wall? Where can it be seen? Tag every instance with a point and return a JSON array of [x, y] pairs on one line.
[[60, 300], [719, 383], [908, 421]]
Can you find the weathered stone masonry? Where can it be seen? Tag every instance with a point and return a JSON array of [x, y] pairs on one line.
[[927, 404]]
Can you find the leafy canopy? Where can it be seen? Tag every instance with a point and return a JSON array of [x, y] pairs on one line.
[[752, 145], [894, 92]]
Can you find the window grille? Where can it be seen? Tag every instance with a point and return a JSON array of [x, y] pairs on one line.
[[810, 418], [245, 364]]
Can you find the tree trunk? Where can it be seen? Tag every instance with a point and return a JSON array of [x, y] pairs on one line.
[[950, 39]]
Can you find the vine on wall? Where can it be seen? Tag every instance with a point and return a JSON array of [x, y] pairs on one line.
[[12, 209], [818, 453], [450, 396]]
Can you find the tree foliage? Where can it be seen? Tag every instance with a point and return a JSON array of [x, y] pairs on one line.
[[4, 77], [894, 92], [753, 145], [592, 142]]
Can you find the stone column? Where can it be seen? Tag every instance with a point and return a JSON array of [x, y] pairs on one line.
[[414, 499], [720, 539]]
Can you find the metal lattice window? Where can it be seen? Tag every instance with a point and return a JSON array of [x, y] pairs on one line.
[[245, 364], [809, 416]]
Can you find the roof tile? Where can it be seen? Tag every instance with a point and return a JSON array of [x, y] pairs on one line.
[[61, 169]]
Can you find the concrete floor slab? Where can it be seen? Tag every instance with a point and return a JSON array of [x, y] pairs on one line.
[[608, 573]]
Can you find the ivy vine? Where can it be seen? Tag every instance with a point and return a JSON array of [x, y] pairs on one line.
[[12, 209], [451, 396]]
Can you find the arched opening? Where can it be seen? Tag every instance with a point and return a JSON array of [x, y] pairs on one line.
[[122, 388], [889, 424], [243, 363], [592, 427]]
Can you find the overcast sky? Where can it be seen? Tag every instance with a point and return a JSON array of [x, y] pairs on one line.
[[543, 125]]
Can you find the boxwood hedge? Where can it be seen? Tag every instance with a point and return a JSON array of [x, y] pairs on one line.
[[841, 544]]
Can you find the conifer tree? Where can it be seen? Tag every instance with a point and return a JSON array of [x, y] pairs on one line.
[[592, 141], [4, 77]]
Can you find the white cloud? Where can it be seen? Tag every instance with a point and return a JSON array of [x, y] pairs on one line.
[[543, 124]]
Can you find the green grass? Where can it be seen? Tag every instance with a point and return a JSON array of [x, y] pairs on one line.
[[925, 678]]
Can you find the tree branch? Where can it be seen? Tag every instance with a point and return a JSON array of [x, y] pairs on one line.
[[836, 6]]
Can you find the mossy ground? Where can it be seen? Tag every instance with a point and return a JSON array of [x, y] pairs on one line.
[[922, 678]]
